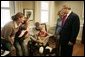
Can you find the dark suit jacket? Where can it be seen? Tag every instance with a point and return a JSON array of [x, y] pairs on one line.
[[70, 29]]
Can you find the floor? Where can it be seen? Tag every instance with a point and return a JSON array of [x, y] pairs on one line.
[[78, 49]]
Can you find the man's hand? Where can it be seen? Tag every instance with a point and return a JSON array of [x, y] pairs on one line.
[[70, 43]]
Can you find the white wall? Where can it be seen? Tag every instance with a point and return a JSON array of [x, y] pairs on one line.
[[55, 6], [52, 12], [37, 11], [18, 6]]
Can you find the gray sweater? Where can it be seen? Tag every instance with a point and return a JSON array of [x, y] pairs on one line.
[[8, 31], [58, 27]]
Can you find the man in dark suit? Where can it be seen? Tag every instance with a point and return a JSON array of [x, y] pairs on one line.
[[69, 32]]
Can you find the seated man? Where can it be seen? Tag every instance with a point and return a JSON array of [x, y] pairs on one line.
[[39, 38], [33, 31]]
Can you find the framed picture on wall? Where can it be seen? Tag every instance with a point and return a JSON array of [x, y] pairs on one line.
[[28, 14]]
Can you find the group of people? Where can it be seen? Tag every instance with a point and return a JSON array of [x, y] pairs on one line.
[[12, 31], [16, 31], [67, 29]]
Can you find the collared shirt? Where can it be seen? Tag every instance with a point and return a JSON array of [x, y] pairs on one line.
[[15, 24], [68, 14]]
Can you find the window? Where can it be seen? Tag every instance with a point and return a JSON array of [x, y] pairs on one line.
[[44, 11], [4, 3], [5, 12]]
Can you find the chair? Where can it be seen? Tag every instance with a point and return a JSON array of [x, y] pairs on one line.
[[50, 41], [44, 26]]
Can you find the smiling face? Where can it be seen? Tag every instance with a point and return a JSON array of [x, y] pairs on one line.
[[66, 9], [61, 13], [21, 20]]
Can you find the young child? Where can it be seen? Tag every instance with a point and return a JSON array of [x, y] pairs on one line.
[[42, 36], [42, 33]]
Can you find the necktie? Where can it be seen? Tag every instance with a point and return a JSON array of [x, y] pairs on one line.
[[63, 19]]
